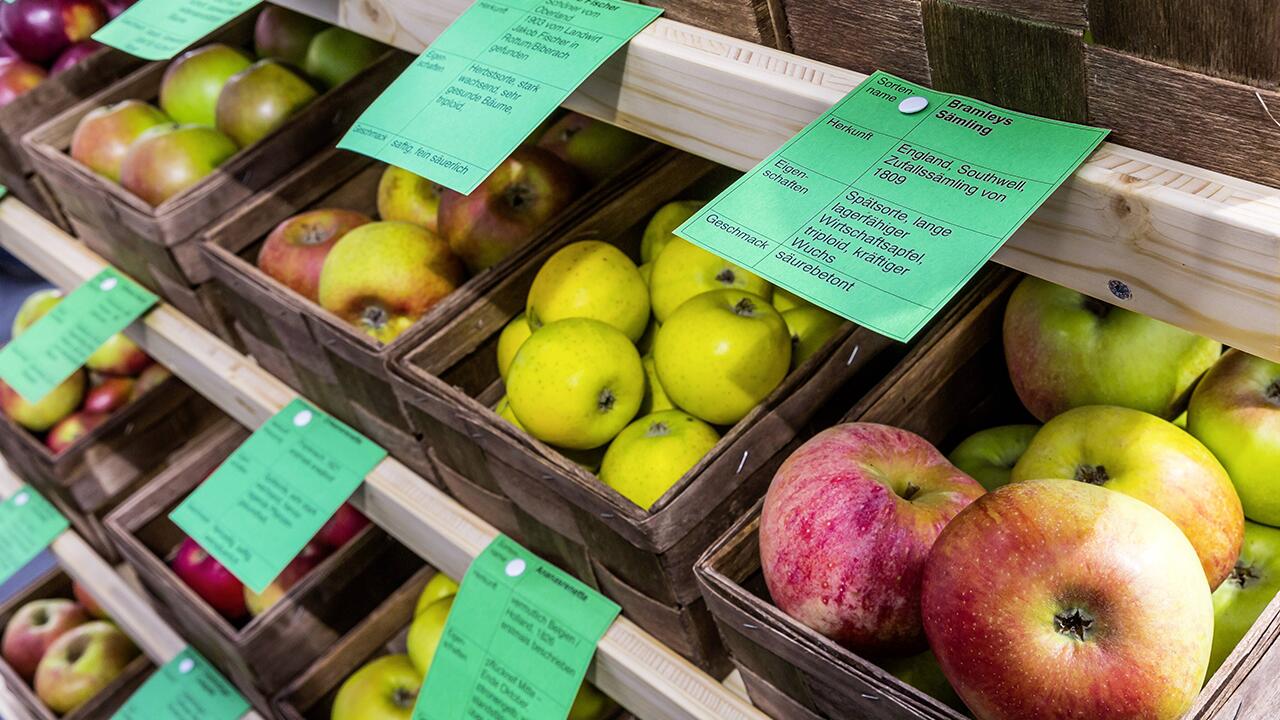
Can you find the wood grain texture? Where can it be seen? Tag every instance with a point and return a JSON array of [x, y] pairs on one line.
[[745, 19], [1070, 13], [837, 33], [1030, 66], [1235, 39]]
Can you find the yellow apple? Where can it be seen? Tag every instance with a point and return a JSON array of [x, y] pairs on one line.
[[645, 343], [784, 300], [411, 198], [655, 398], [684, 270], [646, 272], [384, 689], [33, 308], [58, 404], [440, 586], [426, 631], [811, 327], [591, 704], [510, 340], [662, 225], [653, 453], [503, 409], [590, 279]]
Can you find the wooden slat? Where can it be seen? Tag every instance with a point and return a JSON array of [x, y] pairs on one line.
[[643, 675], [1194, 248]]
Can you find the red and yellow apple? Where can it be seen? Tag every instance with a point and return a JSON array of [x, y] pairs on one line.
[[684, 270], [109, 395], [259, 99], [17, 78], [651, 454], [88, 601], [209, 579], [402, 195], [342, 528], [47, 411], [166, 160], [192, 83], [118, 356], [103, 137], [988, 456], [71, 429], [383, 689], [295, 251], [33, 628], [81, 664]]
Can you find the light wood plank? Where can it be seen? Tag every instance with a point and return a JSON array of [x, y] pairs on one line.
[[631, 666], [1194, 248]]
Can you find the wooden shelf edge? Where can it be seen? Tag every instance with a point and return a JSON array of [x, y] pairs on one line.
[[631, 666], [1188, 246]]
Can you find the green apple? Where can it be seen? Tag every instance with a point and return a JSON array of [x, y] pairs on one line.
[[811, 327], [384, 689], [646, 272], [653, 453], [1235, 412], [590, 279], [1240, 601], [510, 340], [33, 308], [1181, 420], [591, 704], [192, 83], [336, 55], [426, 631], [661, 227], [48, 410], [259, 99], [440, 586], [655, 398], [988, 456], [684, 270], [503, 410], [722, 353], [82, 663], [1065, 350], [784, 300], [1150, 459], [923, 673], [576, 383]]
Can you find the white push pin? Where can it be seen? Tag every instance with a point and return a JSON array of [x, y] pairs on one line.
[[515, 568], [21, 499], [913, 104], [107, 284], [302, 418], [186, 666]]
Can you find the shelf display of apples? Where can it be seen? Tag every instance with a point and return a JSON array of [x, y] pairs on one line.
[[1099, 565], [630, 370], [216, 100], [231, 599], [382, 275], [66, 650], [115, 375], [39, 38]]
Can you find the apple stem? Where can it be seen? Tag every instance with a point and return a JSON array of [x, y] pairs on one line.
[[1092, 474], [1097, 307], [745, 308], [606, 401], [1075, 623]]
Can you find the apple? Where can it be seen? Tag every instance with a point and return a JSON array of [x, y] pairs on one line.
[[192, 83], [259, 99], [502, 215], [1241, 600], [591, 704], [923, 673], [597, 149], [655, 398], [503, 410], [41, 29], [73, 55], [1235, 412], [343, 527], [1058, 599], [71, 429], [651, 455], [721, 354], [115, 7], [7, 52], [18, 77], [88, 601], [81, 664], [118, 356], [661, 228], [988, 456], [405, 196], [645, 343], [438, 587], [646, 272], [1065, 350], [336, 55], [510, 340], [311, 555], [1150, 459], [166, 160], [102, 137], [590, 279], [33, 308], [33, 628], [46, 412], [384, 689], [151, 378], [810, 327], [295, 251], [784, 300], [209, 579], [283, 34], [425, 633], [382, 276], [684, 270], [847, 523], [576, 383]]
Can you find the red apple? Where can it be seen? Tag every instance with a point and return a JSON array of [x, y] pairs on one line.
[[41, 29], [103, 137], [596, 148], [259, 99], [118, 356], [167, 160], [75, 54], [88, 601], [115, 7], [33, 629], [342, 527], [1057, 599], [71, 429], [81, 664], [285, 35], [151, 378], [312, 554], [502, 215], [847, 524], [109, 395], [7, 52], [209, 579], [18, 77], [295, 250]]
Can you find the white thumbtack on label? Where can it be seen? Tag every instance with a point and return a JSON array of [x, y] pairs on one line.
[[186, 666], [20, 499], [913, 104], [302, 418], [107, 284], [515, 568]]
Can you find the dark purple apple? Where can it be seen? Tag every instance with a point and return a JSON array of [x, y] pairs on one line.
[[115, 7], [75, 54], [41, 29], [7, 52]]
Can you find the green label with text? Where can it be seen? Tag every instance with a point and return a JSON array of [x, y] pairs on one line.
[[160, 29], [490, 78], [56, 345], [258, 510], [517, 642], [884, 207], [186, 688], [28, 524]]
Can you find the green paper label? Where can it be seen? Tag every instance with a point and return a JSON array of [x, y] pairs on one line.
[[517, 642], [56, 345], [478, 91], [28, 524], [160, 29], [882, 214], [258, 510], [186, 688]]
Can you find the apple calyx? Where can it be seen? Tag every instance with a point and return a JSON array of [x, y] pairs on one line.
[[1074, 623], [1272, 392], [606, 400], [77, 648], [1092, 474], [40, 617], [1241, 575], [745, 308], [658, 429], [1099, 308], [726, 276], [517, 195], [910, 491], [313, 235], [404, 698], [375, 317]]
